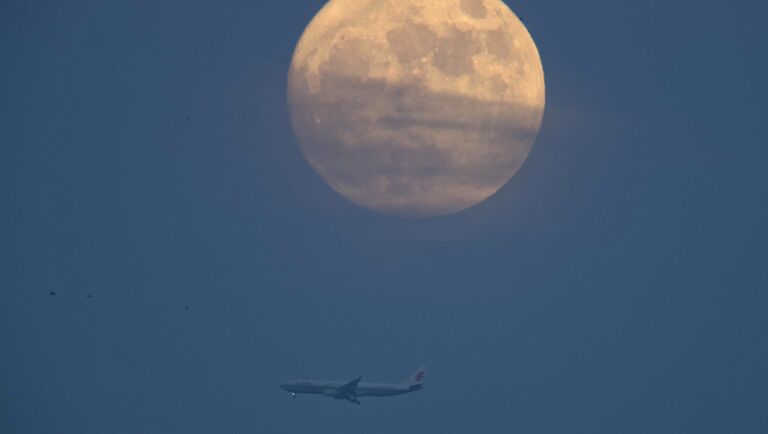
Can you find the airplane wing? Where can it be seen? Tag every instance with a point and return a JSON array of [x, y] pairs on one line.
[[350, 389]]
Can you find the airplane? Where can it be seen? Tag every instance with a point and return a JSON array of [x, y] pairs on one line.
[[352, 390]]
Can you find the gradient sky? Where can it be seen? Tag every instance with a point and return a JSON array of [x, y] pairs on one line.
[[617, 284]]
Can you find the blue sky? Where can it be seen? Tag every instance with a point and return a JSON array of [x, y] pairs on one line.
[[615, 284]]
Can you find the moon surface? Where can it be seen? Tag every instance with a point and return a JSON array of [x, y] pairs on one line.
[[416, 108]]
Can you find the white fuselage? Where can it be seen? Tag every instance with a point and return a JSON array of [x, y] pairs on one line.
[[330, 388], [351, 390]]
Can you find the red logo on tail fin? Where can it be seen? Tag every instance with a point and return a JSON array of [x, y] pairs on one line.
[[419, 376]]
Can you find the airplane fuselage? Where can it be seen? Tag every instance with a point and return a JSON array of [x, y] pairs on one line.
[[352, 390], [330, 388]]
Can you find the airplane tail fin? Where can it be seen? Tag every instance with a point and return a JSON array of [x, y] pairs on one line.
[[417, 379]]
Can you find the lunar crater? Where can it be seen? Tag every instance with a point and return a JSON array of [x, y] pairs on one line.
[[454, 53], [474, 8], [411, 42]]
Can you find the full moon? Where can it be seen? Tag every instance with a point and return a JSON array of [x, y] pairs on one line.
[[416, 108]]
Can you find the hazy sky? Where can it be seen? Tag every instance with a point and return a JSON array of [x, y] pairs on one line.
[[617, 284]]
